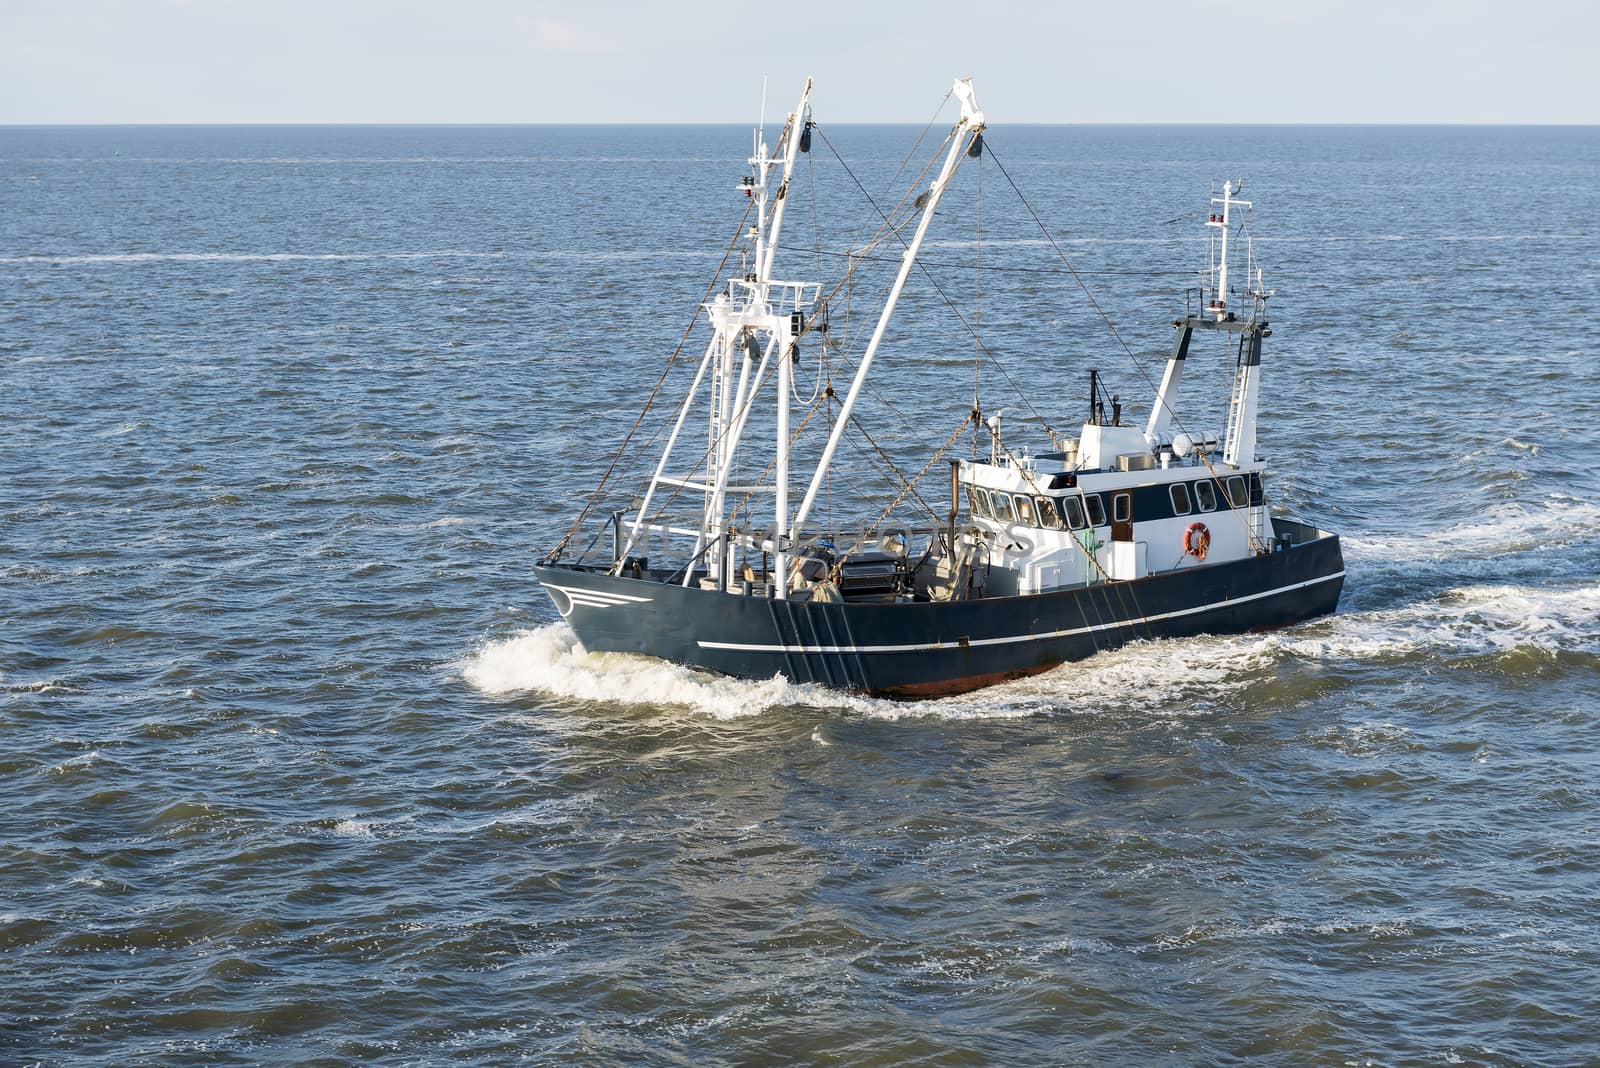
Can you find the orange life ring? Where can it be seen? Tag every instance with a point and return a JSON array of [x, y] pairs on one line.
[[1196, 540]]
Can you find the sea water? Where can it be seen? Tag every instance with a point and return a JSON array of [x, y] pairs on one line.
[[298, 766]]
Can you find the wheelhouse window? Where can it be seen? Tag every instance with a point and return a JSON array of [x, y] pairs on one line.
[[1122, 507], [1238, 491], [1096, 508], [979, 502], [1045, 508], [1024, 510], [1181, 499], [1205, 495], [1002, 508], [1072, 510]]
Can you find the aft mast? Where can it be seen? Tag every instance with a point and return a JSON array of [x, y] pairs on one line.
[[1239, 445], [1240, 448]]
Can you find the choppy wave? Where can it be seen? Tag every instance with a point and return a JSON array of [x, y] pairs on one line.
[[1555, 523], [1463, 622], [257, 502]]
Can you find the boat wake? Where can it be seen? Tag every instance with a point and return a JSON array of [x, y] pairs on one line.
[[1161, 675], [1463, 622], [1468, 605], [1197, 676], [550, 660], [1179, 677], [1559, 522]]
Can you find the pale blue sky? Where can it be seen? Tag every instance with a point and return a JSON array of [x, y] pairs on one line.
[[110, 61]]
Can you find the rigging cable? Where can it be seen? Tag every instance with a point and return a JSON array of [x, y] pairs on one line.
[[1255, 542], [944, 296], [673, 359], [909, 485], [1118, 272], [829, 395], [977, 317], [908, 490]]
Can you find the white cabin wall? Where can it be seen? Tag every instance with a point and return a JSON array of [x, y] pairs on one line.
[[1050, 558], [1099, 446]]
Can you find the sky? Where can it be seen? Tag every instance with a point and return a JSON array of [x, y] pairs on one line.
[[598, 61]]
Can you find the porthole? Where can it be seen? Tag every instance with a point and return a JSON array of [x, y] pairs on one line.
[[1073, 511], [1180, 498]]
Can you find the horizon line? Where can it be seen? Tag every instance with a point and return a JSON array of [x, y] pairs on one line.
[[745, 124]]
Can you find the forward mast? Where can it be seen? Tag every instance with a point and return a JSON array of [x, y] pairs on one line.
[[757, 320]]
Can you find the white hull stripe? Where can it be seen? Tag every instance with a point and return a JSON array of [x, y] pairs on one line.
[[596, 598], [1013, 639]]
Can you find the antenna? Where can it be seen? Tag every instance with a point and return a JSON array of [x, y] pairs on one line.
[[761, 120]]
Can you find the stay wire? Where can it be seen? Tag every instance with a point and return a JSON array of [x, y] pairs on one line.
[[827, 371], [1250, 535], [649, 400], [908, 491], [943, 295], [908, 484]]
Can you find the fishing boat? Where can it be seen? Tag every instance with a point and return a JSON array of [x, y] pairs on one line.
[[1127, 530]]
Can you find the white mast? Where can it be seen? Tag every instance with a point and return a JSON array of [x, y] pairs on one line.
[[1240, 448], [1218, 305], [780, 522], [971, 122], [738, 316]]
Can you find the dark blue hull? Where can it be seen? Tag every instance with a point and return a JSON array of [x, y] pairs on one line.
[[930, 648]]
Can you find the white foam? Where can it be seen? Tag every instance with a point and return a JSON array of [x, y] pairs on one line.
[[1555, 523], [549, 659], [121, 429], [1167, 678], [82, 760], [47, 687], [1463, 621], [1560, 619]]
